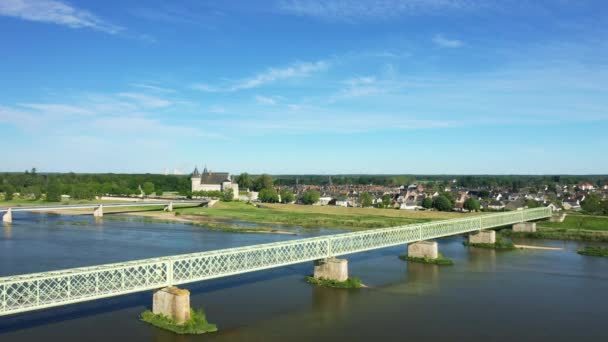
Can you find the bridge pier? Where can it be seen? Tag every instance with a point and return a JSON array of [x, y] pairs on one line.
[[525, 227], [331, 268], [172, 302], [169, 207], [558, 218], [483, 236], [8, 216], [98, 211], [423, 249]]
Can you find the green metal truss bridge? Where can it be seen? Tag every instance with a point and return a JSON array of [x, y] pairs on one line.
[[27, 292]]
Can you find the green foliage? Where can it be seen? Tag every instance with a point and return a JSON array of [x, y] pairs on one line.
[[532, 204], [366, 200], [442, 203], [471, 204], [499, 244], [310, 197], [592, 204], [594, 251], [350, 283], [208, 194], [245, 181], [427, 203], [386, 201], [53, 192], [441, 260], [9, 192], [268, 195], [228, 195], [263, 182], [287, 196], [159, 192], [195, 326], [148, 188]]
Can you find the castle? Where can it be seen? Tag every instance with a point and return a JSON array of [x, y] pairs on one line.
[[213, 181]]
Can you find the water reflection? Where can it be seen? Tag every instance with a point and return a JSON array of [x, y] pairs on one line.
[[7, 230]]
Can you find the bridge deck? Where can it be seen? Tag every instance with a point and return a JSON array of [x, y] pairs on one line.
[[28, 292], [95, 205]]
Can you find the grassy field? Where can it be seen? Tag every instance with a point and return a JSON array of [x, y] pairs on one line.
[[578, 222], [314, 216]]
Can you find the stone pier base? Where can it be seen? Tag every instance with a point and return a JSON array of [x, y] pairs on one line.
[[525, 227], [169, 207], [483, 236], [172, 302], [423, 249], [557, 218], [8, 216], [98, 211], [331, 268]]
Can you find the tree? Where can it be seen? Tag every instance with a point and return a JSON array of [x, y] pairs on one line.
[[287, 196], [471, 204], [532, 204], [310, 197], [442, 203], [53, 191], [592, 203], [427, 203], [228, 195], [9, 192], [148, 188], [245, 181], [263, 182], [366, 200], [159, 192], [268, 195], [386, 201]]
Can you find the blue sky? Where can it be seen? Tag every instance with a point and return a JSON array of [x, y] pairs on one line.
[[297, 86]]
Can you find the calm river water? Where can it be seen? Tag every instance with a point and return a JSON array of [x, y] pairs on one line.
[[487, 295]]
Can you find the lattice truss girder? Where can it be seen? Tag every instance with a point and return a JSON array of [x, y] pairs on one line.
[[41, 290]]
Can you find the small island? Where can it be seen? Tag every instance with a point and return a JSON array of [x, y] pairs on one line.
[[499, 244], [440, 260], [594, 251], [195, 326], [350, 283]]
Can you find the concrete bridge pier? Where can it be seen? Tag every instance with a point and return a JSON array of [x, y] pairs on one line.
[[98, 211], [525, 227], [169, 207], [483, 236], [172, 302], [331, 268], [423, 249], [8, 216]]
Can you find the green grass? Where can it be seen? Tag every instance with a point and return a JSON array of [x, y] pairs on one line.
[[441, 260], [594, 251], [350, 283], [195, 326], [578, 222], [313, 218], [499, 244], [233, 228], [559, 234]]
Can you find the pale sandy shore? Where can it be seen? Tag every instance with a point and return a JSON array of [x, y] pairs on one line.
[[539, 247]]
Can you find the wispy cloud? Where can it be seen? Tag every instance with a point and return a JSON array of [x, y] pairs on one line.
[[359, 9], [146, 100], [56, 12], [297, 70], [153, 88], [442, 41], [265, 100], [57, 108]]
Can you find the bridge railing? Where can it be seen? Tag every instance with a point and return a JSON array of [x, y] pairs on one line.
[[42, 290]]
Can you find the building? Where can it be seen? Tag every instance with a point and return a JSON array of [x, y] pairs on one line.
[[213, 181]]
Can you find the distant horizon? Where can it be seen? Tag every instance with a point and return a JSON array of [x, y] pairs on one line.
[[306, 86]]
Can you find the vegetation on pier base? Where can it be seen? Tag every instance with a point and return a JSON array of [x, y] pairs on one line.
[[441, 260], [499, 244], [594, 251], [195, 326], [350, 283]]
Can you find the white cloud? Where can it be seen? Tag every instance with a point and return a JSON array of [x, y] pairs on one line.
[[58, 108], [153, 88], [264, 100], [359, 9], [442, 41], [296, 70], [146, 100], [56, 12]]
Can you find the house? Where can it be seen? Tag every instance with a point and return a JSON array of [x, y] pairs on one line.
[[554, 208], [496, 205], [586, 186], [519, 204], [572, 205], [324, 201], [605, 187], [213, 181]]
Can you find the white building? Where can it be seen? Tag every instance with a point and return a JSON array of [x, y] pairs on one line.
[[213, 181]]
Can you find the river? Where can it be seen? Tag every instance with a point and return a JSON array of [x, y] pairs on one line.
[[521, 295]]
